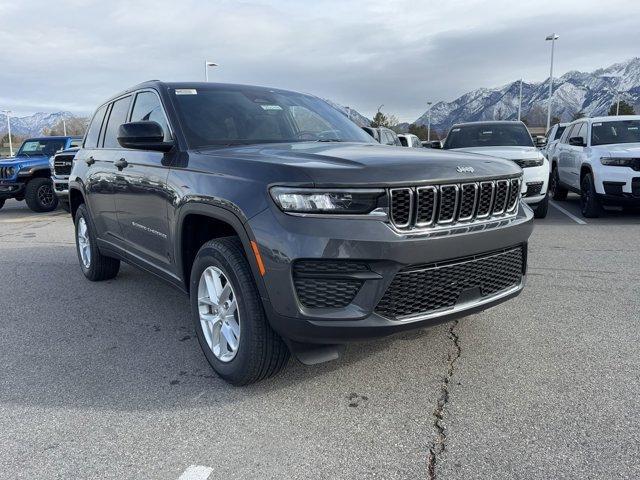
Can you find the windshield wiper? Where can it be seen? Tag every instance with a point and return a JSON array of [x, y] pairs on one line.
[[329, 140]]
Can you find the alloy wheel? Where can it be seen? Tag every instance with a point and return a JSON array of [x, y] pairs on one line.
[[45, 196], [219, 315], [84, 244]]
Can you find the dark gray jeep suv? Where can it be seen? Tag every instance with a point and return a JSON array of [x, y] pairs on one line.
[[288, 226]]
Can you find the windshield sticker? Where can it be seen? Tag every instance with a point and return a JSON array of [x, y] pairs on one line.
[[455, 130], [599, 124], [271, 107], [487, 132], [186, 91]]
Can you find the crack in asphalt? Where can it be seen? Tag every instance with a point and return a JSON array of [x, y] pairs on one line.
[[439, 443]]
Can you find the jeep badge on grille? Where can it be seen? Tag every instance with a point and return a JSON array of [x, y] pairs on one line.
[[464, 169]]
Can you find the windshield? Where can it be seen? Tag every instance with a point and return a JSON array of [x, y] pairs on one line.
[[46, 147], [559, 132], [488, 135], [619, 131], [250, 115]]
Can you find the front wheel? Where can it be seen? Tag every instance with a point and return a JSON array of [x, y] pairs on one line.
[[228, 316], [589, 201], [556, 191], [40, 196], [94, 265], [541, 210]]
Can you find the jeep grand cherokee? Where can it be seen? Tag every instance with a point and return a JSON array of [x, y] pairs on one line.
[[290, 228]]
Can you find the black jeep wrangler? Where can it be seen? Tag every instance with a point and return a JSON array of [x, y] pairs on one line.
[[290, 228]]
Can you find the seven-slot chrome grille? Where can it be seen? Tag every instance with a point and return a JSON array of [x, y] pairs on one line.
[[442, 205]]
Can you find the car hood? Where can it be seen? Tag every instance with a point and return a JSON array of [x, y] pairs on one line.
[[333, 164], [619, 149], [24, 162], [510, 153]]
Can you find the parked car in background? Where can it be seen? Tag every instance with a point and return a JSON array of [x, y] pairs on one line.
[[290, 228], [599, 158], [510, 140], [27, 176], [553, 137], [409, 140], [383, 135], [60, 165]]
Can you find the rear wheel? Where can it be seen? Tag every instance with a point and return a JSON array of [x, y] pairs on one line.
[[589, 201], [228, 316], [556, 191], [94, 265], [40, 196]]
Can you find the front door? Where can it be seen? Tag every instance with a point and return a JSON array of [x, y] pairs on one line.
[[143, 199]]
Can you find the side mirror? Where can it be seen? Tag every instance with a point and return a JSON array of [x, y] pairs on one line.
[[541, 142], [143, 136], [436, 144], [577, 142]]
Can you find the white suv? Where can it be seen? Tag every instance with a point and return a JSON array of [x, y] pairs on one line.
[[553, 138], [599, 158], [510, 140]]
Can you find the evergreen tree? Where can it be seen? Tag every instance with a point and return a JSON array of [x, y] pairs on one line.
[[625, 108]]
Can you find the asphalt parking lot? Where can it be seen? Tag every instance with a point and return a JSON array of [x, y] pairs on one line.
[[106, 380]]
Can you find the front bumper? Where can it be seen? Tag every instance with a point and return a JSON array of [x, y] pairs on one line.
[[10, 189], [535, 181], [61, 187], [284, 239]]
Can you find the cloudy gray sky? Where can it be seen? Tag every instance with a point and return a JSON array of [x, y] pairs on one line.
[[70, 55]]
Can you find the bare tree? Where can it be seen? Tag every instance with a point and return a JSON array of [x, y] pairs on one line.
[[75, 126]]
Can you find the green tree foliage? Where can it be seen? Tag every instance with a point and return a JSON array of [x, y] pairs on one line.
[[421, 132], [625, 108], [382, 120]]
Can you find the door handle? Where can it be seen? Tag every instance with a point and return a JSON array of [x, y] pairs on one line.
[[90, 161], [120, 164]]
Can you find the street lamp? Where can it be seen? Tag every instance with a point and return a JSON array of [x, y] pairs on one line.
[[429, 122], [520, 101], [553, 37], [7, 113], [206, 69]]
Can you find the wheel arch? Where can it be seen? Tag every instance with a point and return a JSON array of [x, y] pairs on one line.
[[76, 198], [584, 169], [196, 224]]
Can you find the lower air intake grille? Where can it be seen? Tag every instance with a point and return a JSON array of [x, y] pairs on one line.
[[326, 293], [327, 283], [425, 289], [533, 189]]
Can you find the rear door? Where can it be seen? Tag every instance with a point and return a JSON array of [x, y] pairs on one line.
[[143, 198], [564, 155], [99, 177]]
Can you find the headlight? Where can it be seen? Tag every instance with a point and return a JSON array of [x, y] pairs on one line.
[[10, 171], [617, 161], [332, 201], [534, 162]]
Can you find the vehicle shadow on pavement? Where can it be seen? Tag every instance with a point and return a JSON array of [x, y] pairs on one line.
[[129, 343]]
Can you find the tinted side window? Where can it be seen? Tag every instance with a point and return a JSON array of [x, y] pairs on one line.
[[93, 132], [117, 117], [147, 108], [569, 134]]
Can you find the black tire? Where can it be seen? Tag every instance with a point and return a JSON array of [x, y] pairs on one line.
[[100, 267], [556, 190], [589, 201], [261, 353], [40, 196], [542, 208], [1, 203]]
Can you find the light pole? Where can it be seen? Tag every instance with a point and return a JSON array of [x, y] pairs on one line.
[[429, 121], [7, 113], [64, 127], [206, 69], [553, 37], [520, 101]]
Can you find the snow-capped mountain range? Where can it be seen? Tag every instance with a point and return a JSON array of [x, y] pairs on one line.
[[32, 125], [591, 93]]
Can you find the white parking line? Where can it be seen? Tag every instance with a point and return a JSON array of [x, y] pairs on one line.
[[196, 472], [567, 213]]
